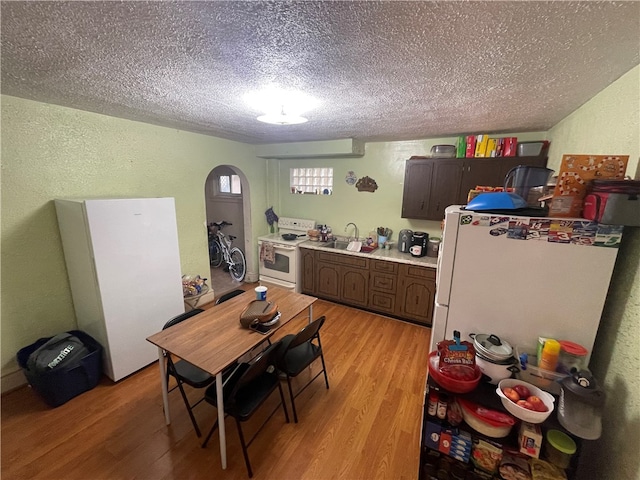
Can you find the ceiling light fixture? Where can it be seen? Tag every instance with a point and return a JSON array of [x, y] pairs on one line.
[[282, 118], [281, 107]]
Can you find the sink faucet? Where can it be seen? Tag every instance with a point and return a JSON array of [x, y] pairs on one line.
[[354, 226]]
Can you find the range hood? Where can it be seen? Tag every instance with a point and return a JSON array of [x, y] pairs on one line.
[[345, 148]]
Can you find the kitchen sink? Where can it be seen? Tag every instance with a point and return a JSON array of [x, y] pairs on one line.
[[337, 244]]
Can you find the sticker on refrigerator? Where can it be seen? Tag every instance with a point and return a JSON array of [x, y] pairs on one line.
[[466, 219], [560, 231], [498, 231], [608, 235], [518, 229], [498, 220], [584, 232], [539, 229], [482, 221]]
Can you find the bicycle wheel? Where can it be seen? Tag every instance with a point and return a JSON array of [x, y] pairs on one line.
[[215, 253], [238, 266]]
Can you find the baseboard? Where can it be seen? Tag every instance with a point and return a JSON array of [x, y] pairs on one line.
[[251, 277], [12, 381]]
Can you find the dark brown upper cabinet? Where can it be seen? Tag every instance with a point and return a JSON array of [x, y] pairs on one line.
[[432, 184]]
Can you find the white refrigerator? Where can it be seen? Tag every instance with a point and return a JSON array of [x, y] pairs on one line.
[[123, 264], [522, 277]]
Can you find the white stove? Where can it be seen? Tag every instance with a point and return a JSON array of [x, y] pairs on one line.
[[295, 226], [280, 258]]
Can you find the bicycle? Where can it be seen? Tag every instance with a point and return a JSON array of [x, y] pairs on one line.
[[220, 250]]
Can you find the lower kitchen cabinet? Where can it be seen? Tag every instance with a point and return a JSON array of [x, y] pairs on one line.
[[416, 294], [383, 286], [328, 281], [307, 275], [354, 286], [343, 278], [400, 290]]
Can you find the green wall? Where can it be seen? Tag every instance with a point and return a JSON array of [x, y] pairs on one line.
[[610, 124], [53, 152]]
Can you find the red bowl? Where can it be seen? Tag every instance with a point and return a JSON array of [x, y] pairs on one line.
[[446, 381]]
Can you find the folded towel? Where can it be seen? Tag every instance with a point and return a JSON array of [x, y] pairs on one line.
[[267, 252]]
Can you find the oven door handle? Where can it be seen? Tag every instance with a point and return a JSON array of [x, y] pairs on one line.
[[284, 247]]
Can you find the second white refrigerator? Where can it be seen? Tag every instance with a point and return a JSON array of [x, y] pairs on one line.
[[123, 263], [522, 277]]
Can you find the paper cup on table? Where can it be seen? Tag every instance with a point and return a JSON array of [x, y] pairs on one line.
[[261, 293]]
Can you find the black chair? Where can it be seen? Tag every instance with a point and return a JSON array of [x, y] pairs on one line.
[[297, 352], [185, 372], [248, 388], [228, 296]]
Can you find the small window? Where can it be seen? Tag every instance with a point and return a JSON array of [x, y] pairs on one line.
[[315, 181], [229, 185]]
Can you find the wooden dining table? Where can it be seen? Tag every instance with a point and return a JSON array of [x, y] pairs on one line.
[[214, 339]]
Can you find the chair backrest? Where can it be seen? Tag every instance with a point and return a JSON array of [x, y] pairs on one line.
[[258, 367], [307, 333], [182, 317], [228, 296]]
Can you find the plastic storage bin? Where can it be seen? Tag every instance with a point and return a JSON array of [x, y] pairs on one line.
[[530, 372], [58, 386], [530, 149]]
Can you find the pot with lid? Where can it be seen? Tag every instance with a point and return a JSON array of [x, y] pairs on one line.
[[494, 356]]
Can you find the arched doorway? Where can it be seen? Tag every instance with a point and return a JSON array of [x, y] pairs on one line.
[[227, 198]]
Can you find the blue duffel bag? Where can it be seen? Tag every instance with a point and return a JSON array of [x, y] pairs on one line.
[[62, 367]]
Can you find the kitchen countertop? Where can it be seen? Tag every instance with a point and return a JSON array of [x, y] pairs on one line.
[[392, 255]]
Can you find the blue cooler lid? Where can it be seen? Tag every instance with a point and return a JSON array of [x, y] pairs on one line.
[[496, 201]]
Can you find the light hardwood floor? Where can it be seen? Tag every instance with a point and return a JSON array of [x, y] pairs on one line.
[[366, 426]]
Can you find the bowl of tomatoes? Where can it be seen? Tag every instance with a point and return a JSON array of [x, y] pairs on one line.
[[454, 378], [525, 401]]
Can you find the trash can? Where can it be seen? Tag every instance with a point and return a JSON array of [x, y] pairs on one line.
[[60, 384]]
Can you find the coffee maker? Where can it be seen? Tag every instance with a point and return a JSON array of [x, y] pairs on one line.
[[419, 241], [404, 240]]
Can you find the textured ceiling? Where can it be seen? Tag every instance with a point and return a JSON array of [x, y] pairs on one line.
[[380, 70]]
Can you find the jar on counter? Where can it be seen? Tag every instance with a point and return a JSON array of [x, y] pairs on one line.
[[573, 357], [433, 246]]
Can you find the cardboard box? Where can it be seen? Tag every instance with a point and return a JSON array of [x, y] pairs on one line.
[[432, 435], [461, 147], [481, 146], [576, 171], [530, 439], [486, 455], [510, 145], [471, 146], [445, 442], [491, 148]]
